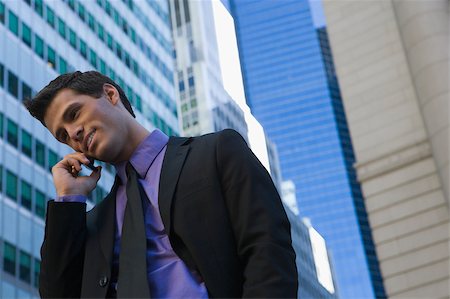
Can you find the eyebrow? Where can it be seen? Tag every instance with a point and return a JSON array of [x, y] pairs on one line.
[[66, 118]]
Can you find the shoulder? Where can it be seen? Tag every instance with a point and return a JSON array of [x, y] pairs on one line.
[[208, 139]]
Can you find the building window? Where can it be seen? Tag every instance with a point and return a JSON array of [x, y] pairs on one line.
[[13, 84], [83, 49], [73, 38], [25, 189], [135, 68], [181, 86], [2, 13], [9, 258], [13, 23], [177, 13], [109, 41], [93, 58], [133, 35], [108, 8], [37, 270], [116, 17], [11, 185], [100, 31], [185, 122], [2, 78], [191, 81], [194, 118], [40, 153], [62, 66], [102, 66], [62, 28], [112, 74], [39, 205], [25, 266], [12, 133], [184, 108], [1, 125], [26, 91], [119, 51], [51, 57], [138, 103], [193, 103], [52, 159], [91, 22], [26, 34], [50, 16], [72, 4], [81, 11], [38, 7], [1, 178], [26, 143], [127, 60], [38, 46]]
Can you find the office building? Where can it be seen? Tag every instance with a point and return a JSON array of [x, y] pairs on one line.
[[130, 41], [315, 278], [392, 62], [196, 28], [291, 90], [204, 104]]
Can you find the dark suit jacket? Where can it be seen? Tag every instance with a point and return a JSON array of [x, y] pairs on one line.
[[220, 209]]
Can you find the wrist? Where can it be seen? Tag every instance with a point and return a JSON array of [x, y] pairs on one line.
[[73, 192], [71, 198]]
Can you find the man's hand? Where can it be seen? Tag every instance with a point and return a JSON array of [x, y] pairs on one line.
[[66, 179]]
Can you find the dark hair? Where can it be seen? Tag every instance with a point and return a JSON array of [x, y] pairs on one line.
[[88, 83]]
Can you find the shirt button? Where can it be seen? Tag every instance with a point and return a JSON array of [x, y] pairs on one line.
[[103, 281]]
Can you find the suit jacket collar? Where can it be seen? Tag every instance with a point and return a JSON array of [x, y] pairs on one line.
[[176, 153]]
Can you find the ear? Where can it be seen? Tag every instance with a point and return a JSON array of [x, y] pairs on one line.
[[112, 94]]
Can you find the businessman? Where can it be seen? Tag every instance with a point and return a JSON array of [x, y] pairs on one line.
[[191, 217]]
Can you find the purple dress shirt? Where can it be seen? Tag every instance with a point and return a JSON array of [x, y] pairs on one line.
[[168, 276]]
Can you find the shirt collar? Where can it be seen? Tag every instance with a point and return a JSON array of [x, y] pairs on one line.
[[144, 155]]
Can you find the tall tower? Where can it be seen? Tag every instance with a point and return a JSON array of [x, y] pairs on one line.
[[204, 104], [130, 41], [288, 89]]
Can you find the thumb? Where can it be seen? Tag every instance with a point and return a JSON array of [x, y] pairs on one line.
[[96, 173]]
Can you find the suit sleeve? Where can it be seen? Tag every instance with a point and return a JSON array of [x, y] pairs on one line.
[[260, 224], [62, 251]]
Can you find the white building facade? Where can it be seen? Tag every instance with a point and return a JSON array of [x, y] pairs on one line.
[[392, 63], [204, 104]]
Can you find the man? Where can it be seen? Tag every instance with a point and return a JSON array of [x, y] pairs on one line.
[[186, 218]]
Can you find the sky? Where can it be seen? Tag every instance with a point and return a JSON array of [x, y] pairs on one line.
[[317, 13]]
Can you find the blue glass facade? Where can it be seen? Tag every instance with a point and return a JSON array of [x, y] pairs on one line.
[[288, 79]]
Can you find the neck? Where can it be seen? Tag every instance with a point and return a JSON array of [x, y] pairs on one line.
[[137, 134]]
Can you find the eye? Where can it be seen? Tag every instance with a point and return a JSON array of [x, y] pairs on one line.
[[74, 114], [64, 137]]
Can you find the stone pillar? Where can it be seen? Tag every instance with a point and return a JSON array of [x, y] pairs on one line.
[[424, 29]]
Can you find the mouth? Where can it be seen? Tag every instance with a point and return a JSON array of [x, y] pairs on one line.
[[88, 140]]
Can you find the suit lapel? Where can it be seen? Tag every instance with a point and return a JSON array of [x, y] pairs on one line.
[[176, 152]]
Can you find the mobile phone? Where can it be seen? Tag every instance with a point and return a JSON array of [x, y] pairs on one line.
[[91, 165]]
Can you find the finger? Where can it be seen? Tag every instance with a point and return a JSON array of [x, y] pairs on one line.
[[80, 157], [96, 174], [72, 163]]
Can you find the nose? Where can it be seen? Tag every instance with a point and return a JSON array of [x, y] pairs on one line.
[[75, 132]]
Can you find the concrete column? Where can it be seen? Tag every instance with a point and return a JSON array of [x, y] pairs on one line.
[[424, 29]]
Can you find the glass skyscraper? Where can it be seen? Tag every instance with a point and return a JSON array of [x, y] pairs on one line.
[[130, 41], [292, 90]]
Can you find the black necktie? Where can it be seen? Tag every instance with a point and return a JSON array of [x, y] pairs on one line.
[[132, 280]]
